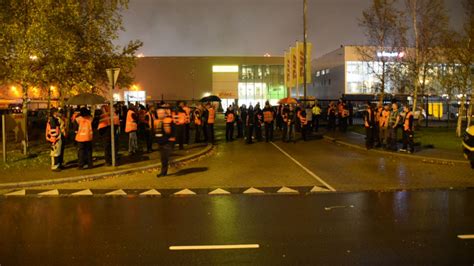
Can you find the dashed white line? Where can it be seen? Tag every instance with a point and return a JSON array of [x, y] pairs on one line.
[[304, 168], [214, 247]]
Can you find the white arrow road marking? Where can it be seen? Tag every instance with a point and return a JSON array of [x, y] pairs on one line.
[[304, 168], [85, 192], [338, 207], [151, 192], [219, 191], [185, 192], [17, 193], [53, 192], [466, 236], [117, 192], [319, 189], [211, 247], [253, 190], [287, 190]]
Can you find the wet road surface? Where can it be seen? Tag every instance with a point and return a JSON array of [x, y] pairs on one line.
[[367, 228], [316, 162]]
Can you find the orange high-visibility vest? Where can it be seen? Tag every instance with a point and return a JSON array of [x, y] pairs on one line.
[[116, 120], [187, 111], [104, 120], [166, 123], [84, 133], [52, 134], [212, 116], [160, 113], [197, 118], [130, 124], [230, 118], [267, 116]]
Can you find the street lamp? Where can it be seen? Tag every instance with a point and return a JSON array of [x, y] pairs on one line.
[[112, 74]]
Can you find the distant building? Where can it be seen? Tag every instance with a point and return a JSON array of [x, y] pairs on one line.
[[345, 71], [246, 79]]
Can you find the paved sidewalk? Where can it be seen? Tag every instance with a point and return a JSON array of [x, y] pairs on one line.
[[41, 174], [357, 140]]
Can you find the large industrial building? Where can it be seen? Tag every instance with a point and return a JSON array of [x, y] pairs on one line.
[[246, 79]]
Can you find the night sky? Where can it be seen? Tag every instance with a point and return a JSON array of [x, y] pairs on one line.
[[246, 27]]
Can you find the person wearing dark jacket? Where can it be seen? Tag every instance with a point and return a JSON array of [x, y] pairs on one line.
[[369, 125], [258, 122], [250, 124], [408, 134], [164, 130], [230, 120], [243, 117], [268, 118]]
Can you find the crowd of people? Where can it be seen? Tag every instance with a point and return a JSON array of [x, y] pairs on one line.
[[382, 124], [171, 126]]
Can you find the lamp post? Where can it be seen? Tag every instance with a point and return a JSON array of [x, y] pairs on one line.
[[305, 35], [112, 74]]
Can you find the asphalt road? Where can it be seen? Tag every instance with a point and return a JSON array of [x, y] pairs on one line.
[[316, 162], [365, 228]]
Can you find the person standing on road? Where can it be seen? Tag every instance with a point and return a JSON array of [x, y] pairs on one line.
[[343, 117], [258, 122], [197, 123], [316, 116], [229, 124], [243, 117], [408, 134], [53, 136], [149, 119], [369, 124], [238, 122], [268, 118], [164, 132], [291, 118], [187, 123], [131, 128], [331, 117], [179, 120], [378, 115], [250, 124], [304, 125], [211, 118], [393, 123], [104, 133], [383, 126], [84, 139], [63, 127]]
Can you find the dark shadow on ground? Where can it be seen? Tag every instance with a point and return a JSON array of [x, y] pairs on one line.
[[190, 171]]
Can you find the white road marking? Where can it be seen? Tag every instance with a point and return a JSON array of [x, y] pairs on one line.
[[85, 192], [53, 192], [338, 207], [185, 192], [151, 192], [253, 190], [318, 189], [213, 247], [118, 192], [304, 168], [466, 236], [287, 190], [219, 191], [17, 193]]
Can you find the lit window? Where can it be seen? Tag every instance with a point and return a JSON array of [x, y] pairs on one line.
[[318, 73], [225, 69]]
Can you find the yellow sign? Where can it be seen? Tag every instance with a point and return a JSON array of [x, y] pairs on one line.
[[300, 64], [294, 67]]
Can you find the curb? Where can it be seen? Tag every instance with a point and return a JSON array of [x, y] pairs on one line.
[[424, 159], [90, 177]]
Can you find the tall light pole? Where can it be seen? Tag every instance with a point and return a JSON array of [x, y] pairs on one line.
[[305, 35], [112, 74]]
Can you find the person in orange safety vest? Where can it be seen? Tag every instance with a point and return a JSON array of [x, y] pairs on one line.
[[84, 138]]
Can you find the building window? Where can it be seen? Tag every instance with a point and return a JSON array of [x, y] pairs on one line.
[[318, 73]]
